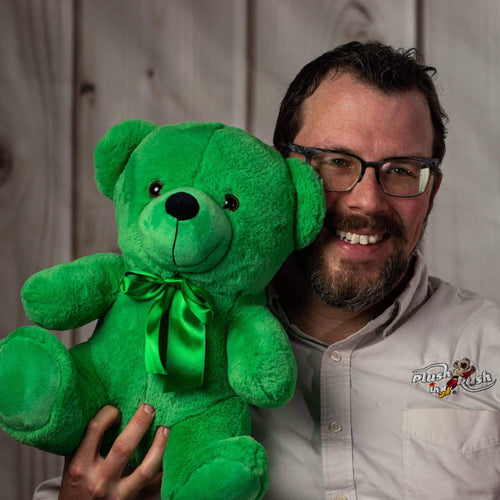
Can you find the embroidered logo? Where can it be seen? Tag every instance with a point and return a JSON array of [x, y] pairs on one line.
[[443, 380]]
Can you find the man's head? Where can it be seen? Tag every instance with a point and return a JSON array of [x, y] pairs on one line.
[[374, 64], [375, 103]]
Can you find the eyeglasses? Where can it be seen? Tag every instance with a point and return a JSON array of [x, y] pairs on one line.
[[402, 176]]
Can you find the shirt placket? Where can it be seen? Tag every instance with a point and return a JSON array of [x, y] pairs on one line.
[[336, 439]]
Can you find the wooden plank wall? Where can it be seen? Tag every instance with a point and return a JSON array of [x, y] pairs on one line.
[[462, 38], [36, 87], [69, 69]]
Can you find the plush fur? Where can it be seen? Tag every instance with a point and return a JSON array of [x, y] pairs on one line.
[[254, 209]]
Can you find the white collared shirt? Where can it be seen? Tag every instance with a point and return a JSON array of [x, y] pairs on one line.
[[367, 422]]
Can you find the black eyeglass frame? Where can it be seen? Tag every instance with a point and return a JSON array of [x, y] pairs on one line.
[[308, 153]]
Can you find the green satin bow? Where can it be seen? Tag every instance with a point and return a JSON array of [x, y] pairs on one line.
[[175, 327]]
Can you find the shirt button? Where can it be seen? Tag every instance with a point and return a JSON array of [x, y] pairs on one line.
[[335, 428], [335, 356]]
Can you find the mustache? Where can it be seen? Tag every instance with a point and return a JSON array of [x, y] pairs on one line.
[[352, 222]]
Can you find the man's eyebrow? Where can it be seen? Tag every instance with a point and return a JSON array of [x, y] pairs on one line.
[[338, 147]]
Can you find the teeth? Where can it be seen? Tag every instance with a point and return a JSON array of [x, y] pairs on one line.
[[359, 239]]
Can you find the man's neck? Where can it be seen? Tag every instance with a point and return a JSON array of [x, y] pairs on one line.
[[304, 309]]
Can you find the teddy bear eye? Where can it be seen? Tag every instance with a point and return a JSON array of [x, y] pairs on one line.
[[155, 189], [231, 202]]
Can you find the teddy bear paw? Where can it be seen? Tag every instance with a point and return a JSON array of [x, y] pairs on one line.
[[236, 470], [30, 379]]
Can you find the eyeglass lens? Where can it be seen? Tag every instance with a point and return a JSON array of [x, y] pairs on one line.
[[401, 177]]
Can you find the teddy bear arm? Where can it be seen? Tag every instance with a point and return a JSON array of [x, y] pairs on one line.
[[261, 364], [73, 294]]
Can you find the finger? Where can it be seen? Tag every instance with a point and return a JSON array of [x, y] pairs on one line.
[[127, 441], [147, 472], [89, 448]]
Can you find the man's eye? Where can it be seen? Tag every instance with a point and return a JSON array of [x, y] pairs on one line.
[[404, 168], [231, 202], [401, 172], [339, 162], [155, 189]]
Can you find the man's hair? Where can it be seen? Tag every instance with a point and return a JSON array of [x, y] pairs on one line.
[[373, 63]]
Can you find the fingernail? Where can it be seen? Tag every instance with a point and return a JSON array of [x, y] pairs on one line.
[[166, 431], [149, 409]]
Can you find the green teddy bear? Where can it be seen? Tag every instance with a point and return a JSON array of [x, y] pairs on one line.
[[206, 215]]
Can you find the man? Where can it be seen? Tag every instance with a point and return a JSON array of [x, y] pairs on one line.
[[375, 338]]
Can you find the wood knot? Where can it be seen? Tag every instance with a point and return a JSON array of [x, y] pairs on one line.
[[6, 164], [87, 88]]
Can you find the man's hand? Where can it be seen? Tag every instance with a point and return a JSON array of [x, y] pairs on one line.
[[87, 475]]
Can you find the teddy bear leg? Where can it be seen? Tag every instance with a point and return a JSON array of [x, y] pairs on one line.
[[40, 398], [208, 458]]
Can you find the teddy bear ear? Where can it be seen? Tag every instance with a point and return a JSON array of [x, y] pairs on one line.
[[311, 203], [114, 149]]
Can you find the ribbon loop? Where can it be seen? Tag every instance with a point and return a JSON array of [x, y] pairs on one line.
[[175, 328]]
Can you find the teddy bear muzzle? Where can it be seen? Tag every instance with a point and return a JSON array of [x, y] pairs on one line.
[[185, 230]]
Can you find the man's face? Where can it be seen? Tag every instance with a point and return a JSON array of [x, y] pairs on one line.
[[358, 269]]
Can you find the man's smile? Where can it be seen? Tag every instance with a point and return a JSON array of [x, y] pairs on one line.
[[359, 239], [358, 230]]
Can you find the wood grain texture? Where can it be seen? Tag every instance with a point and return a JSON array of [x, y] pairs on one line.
[[35, 141], [35, 180], [462, 39], [293, 32]]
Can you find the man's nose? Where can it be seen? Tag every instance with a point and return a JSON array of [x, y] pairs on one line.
[[367, 195]]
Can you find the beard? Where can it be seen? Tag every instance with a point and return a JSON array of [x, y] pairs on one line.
[[354, 286]]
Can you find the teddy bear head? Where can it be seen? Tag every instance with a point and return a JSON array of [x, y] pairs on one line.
[[206, 202], [462, 366]]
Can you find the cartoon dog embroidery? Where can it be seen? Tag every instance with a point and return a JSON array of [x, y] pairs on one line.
[[463, 370]]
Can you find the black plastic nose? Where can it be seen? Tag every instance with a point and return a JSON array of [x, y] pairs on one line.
[[182, 206]]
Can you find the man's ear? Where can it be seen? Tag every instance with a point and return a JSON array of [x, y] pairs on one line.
[[311, 205], [114, 149]]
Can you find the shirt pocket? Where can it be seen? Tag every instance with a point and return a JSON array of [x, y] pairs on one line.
[[451, 453]]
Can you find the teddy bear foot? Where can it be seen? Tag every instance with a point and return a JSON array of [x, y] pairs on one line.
[[30, 379], [237, 470]]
